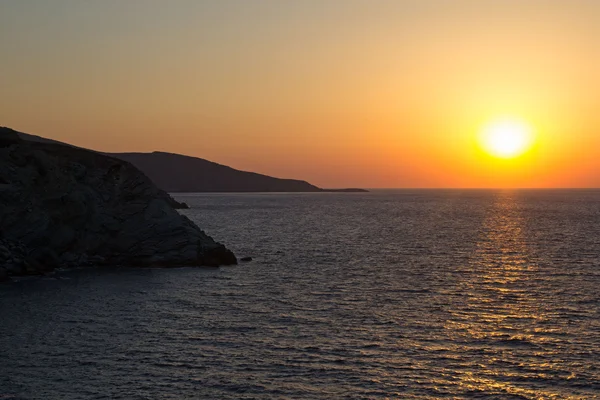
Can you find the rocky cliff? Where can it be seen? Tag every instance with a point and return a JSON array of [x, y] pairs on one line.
[[66, 207]]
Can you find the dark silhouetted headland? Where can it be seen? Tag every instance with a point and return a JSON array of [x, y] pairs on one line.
[[178, 173]]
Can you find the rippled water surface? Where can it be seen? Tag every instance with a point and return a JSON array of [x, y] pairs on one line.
[[389, 294]]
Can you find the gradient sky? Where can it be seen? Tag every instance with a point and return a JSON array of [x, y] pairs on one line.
[[367, 93]]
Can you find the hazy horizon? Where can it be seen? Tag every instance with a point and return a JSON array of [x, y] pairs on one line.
[[386, 94]]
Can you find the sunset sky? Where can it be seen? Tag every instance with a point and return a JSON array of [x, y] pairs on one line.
[[361, 93]]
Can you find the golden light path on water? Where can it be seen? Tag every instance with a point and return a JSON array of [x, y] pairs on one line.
[[500, 310]]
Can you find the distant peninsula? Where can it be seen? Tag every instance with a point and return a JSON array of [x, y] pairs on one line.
[[175, 173]]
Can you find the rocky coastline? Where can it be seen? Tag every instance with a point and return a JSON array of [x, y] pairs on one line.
[[65, 207]]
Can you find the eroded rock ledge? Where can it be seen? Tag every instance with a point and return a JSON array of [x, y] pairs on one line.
[[67, 207]]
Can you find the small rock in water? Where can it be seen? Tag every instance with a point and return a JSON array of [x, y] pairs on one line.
[[246, 259]]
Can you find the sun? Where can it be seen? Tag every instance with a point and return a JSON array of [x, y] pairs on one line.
[[506, 138]]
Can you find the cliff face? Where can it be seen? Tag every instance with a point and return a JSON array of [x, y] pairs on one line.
[[67, 207]]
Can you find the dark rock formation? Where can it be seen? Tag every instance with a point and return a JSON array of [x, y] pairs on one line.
[[63, 207], [246, 259], [174, 203]]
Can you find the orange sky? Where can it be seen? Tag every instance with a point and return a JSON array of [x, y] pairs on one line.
[[340, 93]]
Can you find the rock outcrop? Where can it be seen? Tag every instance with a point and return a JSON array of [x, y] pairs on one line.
[[66, 207]]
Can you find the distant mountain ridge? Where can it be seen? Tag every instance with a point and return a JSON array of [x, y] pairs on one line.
[[178, 173]]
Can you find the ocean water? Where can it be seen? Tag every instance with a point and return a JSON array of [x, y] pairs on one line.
[[390, 294]]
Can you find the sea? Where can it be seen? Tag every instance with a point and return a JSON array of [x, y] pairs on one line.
[[391, 294]]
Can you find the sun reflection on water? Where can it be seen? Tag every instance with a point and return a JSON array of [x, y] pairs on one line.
[[502, 321]]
